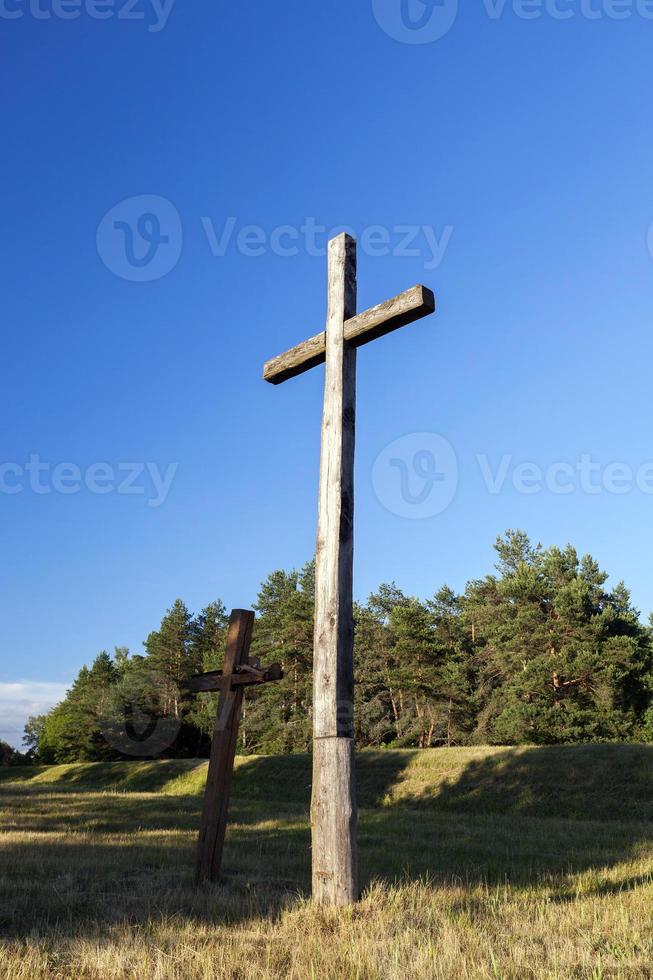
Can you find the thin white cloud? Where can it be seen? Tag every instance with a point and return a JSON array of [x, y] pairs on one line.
[[20, 700]]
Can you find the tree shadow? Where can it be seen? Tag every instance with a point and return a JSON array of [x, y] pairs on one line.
[[523, 815], [578, 782], [78, 859], [527, 816], [143, 776]]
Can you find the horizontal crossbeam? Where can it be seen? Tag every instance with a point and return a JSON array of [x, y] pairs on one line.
[[243, 676], [412, 305]]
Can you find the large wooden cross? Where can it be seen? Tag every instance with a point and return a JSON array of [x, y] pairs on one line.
[[333, 805], [240, 670]]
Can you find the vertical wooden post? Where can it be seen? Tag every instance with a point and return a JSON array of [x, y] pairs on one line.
[[333, 805], [223, 750]]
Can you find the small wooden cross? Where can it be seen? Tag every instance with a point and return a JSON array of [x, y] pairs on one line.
[[240, 671], [333, 806]]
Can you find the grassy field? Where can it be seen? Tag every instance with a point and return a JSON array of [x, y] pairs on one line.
[[475, 863]]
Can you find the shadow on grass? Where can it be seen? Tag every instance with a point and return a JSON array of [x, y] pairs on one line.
[[579, 782], [149, 776], [531, 817]]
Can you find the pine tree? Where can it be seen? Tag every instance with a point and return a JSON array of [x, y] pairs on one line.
[[170, 651], [208, 639], [277, 717], [560, 659]]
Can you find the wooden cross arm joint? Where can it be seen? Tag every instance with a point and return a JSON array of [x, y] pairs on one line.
[[397, 312], [243, 676], [249, 674]]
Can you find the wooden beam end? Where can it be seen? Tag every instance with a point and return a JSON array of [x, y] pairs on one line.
[[428, 299]]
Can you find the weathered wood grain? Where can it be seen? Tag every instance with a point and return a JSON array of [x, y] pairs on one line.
[[415, 303], [223, 751], [335, 878], [333, 819], [214, 680]]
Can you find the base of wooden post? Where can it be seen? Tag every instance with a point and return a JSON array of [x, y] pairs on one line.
[[333, 816]]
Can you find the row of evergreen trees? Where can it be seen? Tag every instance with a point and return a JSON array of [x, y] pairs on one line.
[[539, 652]]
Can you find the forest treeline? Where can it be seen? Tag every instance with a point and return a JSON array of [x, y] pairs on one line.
[[538, 652]]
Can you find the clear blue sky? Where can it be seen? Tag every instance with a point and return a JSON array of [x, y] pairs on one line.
[[526, 143]]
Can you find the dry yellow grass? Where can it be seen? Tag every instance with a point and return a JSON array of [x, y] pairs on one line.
[[466, 876]]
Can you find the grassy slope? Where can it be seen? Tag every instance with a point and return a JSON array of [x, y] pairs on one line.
[[602, 782], [475, 863]]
